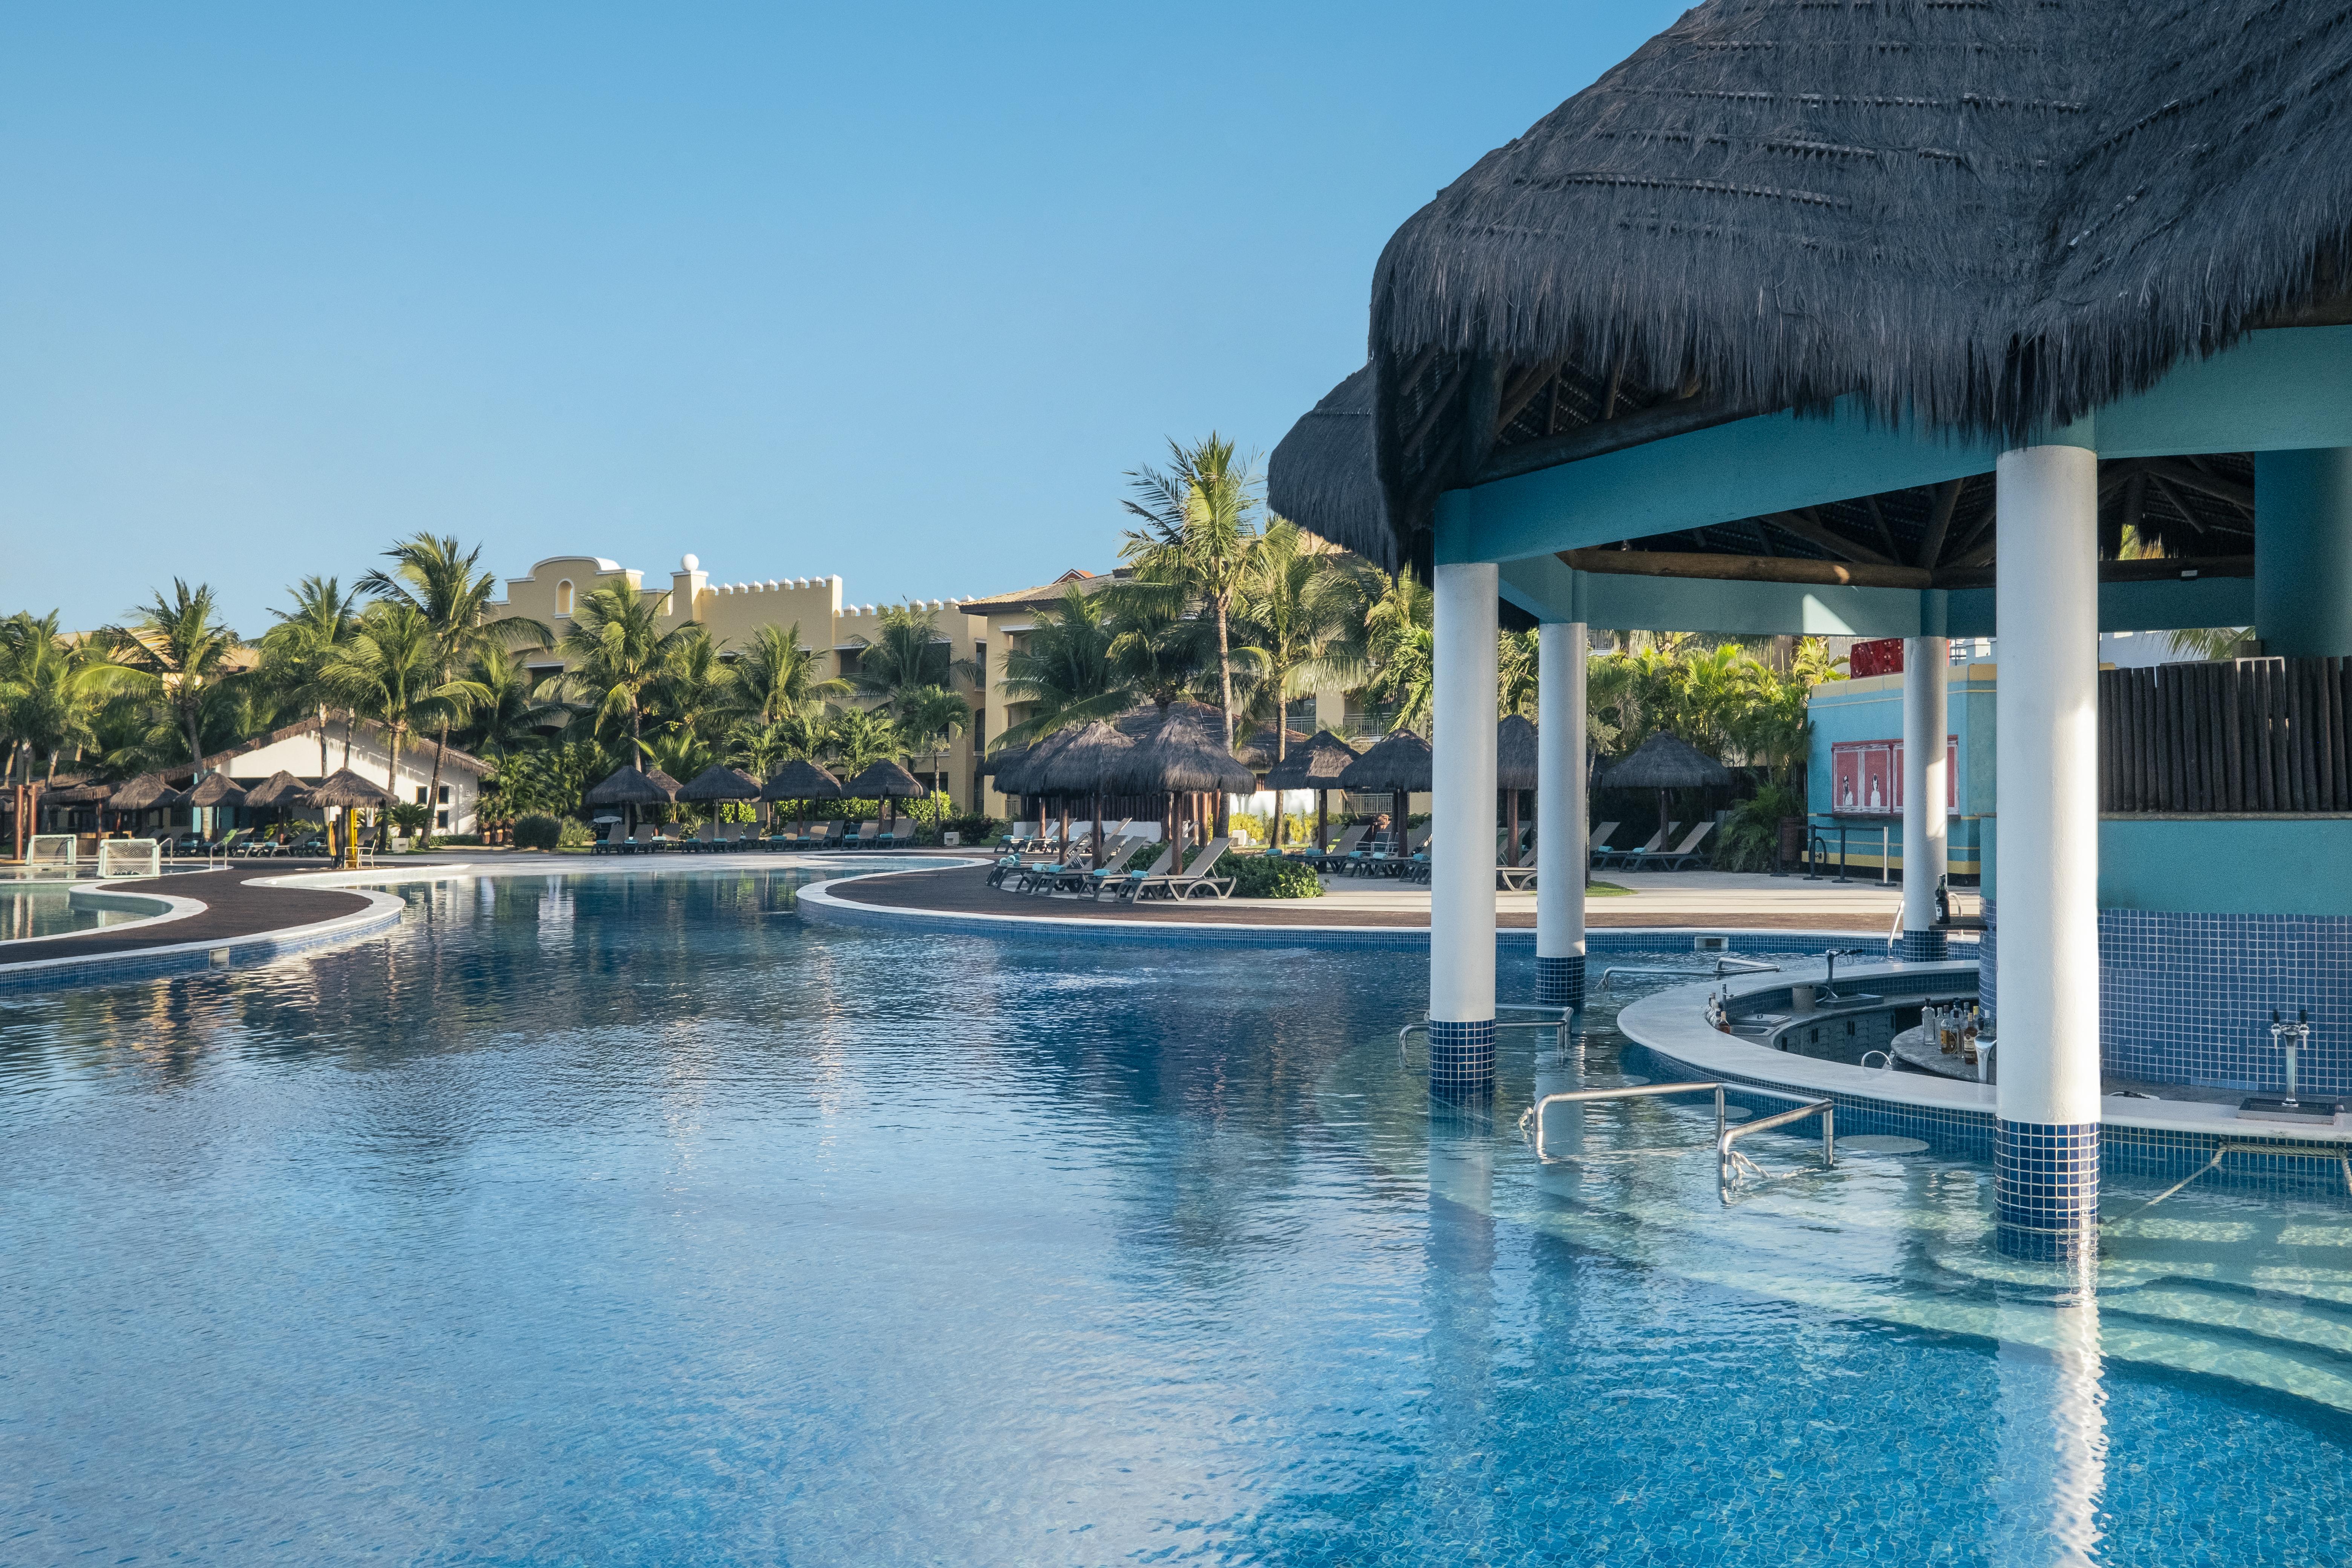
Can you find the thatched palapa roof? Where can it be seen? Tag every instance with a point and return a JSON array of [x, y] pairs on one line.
[[720, 782], [1315, 763], [346, 788], [1665, 761], [801, 779], [76, 792], [1398, 764], [279, 789], [1091, 755], [217, 790], [1179, 756], [1515, 753], [884, 780], [630, 785], [145, 793], [1988, 217]]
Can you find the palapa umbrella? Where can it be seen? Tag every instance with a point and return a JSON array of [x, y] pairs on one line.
[[1178, 756], [803, 781], [888, 782], [1399, 766], [1019, 770], [1664, 761], [1515, 769], [719, 783], [1257, 754], [1080, 766], [278, 793], [346, 789], [629, 787], [1317, 765], [146, 793], [213, 791]]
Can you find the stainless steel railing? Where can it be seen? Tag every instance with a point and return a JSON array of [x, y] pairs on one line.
[[1730, 1164]]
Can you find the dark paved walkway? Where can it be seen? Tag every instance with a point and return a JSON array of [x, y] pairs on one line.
[[965, 891], [232, 910]]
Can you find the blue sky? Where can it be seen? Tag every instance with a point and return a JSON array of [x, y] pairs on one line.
[[899, 293]]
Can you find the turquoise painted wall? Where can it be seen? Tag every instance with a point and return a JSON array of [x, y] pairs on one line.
[[1872, 709], [2227, 865]]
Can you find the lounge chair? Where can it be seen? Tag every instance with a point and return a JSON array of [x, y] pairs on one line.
[[1598, 843], [606, 842], [865, 837], [1514, 879], [1121, 884], [1080, 873], [1323, 859], [1183, 885], [1627, 857], [1387, 865], [1680, 857], [829, 836]]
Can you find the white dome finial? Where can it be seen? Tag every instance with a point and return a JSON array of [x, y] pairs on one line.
[[689, 564]]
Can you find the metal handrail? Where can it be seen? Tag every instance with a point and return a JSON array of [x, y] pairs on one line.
[[1729, 1163], [1747, 966]]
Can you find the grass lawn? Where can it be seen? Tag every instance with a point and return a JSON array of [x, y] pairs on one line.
[[1606, 890]]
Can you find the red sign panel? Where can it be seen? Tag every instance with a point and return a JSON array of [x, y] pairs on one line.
[[1866, 777], [1881, 656]]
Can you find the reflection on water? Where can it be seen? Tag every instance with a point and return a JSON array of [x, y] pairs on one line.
[[632, 1218], [30, 909]]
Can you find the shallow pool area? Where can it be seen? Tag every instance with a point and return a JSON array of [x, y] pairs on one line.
[[633, 1218], [35, 908]]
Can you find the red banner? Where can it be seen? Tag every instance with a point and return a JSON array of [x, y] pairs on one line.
[[1883, 655]]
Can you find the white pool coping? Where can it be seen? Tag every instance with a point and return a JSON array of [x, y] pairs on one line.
[[1673, 1023]]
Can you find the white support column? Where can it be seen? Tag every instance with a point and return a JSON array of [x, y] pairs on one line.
[[1560, 853], [2046, 1148], [1926, 831], [1462, 833]]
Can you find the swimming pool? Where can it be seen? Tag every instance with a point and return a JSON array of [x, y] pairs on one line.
[[37, 909], [631, 1219]]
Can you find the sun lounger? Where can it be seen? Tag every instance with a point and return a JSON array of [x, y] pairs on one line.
[[1627, 857], [1346, 844], [1598, 843], [1680, 857], [1119, 884], [1185, 884], [1072, 876], [1395, 865]]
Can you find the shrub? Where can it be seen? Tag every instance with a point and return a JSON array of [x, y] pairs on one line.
[[1258, 876], [1751, 836], [537, 831], [573, 834]]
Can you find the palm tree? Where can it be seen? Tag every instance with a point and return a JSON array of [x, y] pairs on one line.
[[51, 691], [906, 656], [1198, 527], [390, 671], [1062, 668], [1516, 664], [860, 737], [511, 714], [178, 652], [1296, 606], [928, 717], [1159, 651], [295, 652], [697, 690], [618, 650], [777, 676], [1400, 645], [439, 579]]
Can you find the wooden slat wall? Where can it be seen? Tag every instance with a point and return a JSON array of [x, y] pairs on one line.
[[2252, 736]]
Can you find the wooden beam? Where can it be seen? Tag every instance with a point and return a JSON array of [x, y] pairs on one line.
[[1521, 393], [1744, 568], [2173, 496], [1480, 412], [1939, 522], [2190, 568], [1635, 429], [1885, 534], [1438, 403], [2187, 476], [1811, 531]]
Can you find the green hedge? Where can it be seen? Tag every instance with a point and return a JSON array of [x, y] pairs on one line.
[[537, 831], [1257, 877]]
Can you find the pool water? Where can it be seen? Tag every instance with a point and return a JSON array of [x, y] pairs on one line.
[[33, 910], [630, 1219]]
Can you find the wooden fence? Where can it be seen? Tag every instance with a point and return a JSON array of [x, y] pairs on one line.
[[2250, 735]]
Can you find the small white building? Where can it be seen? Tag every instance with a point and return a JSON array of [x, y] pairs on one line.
[[363, 748]]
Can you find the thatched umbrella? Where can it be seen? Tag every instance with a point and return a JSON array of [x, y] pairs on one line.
[[1258, 753], [718, 783], [1081, 764], [1178, 756], [1662, 763], [887, 781], [146, 793], [629, 787], [803, 781], [1020, 769], [346, 789], [1515, 769], [279, 793], [216, 791], [1399, 766], [1317, 765]]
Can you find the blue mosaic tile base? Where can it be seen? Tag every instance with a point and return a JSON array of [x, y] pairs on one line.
[[2045, 1176], [1461, 1058], [1988, 964], [1923, 947], [1560, 982], [2187, 998]]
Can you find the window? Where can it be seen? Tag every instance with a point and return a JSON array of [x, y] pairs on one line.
[[443, 816], [444, 795], [420, 794], [564, 597]]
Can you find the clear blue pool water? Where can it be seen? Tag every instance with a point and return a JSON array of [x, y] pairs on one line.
[[29, 910], [634, 1219]]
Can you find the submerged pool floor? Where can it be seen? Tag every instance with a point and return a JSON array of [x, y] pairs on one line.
[[636, 1220]]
